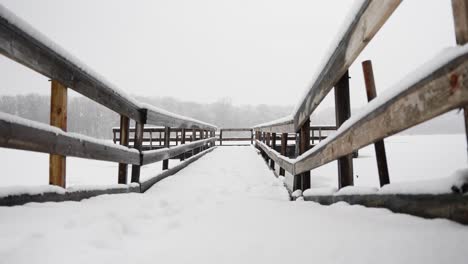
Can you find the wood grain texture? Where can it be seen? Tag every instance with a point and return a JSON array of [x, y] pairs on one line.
[[158, 155], [371, 17], [58, 118], [19, 136], [272, 154], [162, 119], [28, 51], [443, 90], [13, 200], [449, 206]]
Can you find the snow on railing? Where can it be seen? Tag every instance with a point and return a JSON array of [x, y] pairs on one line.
[[434, 89], [22, 43]]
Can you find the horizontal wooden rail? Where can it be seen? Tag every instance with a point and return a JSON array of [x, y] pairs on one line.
[[146, 184], [282, 126], [438, 89], [369, 18], [282, 161], [441, 90], [19, 133], [23, 44], [236, 129], [152, 156], [450, 206]]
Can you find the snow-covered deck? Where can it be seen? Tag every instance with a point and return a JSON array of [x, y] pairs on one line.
[[218, 211]]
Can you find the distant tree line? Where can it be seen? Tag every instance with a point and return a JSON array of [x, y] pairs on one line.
[[89, 118]]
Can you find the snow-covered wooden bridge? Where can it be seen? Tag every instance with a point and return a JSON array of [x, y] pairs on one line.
[[217, 211], [228, 206]]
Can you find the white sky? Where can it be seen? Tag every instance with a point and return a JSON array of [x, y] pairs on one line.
[[252, 51]]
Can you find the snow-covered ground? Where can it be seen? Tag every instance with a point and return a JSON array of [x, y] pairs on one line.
[[225, 208]]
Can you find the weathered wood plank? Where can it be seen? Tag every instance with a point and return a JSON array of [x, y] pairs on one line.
[[449, 206], [124, 134], [20, 199], [445, 89], [162, 154], [236, 129], [162, 119], [25, 49], [138, 146], [58, 118], [282, 127], [369, 19], [22, 135], [343, 112], [150, 182], [167, 136], [283, 162], [379, 146]]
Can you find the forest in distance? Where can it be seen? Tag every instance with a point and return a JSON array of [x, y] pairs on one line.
[[89, 118]]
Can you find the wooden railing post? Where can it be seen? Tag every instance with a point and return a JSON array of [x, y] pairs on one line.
[[124, 136], [284, 146], [251, 136], [137, 144], [58, 118], [182, 142], [176, 138], [302, 181], [221, 137], [167, 138], [379, 145], [151, 139], [273, 146], [343, 112], [460, 18], [193, 139]]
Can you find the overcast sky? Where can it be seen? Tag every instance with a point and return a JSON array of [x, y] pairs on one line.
[[251, 51]]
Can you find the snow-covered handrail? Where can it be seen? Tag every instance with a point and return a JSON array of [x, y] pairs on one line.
[[24, 44], [441, 85], [363, 22]]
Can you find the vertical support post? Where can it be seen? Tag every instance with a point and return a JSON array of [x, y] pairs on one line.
[[176, 137], [251, 136], [379, 145], [58, 118], [160, 138], [137, 144], [114, 138], [284, 146], [302, 181], [312, 131], [343, 112], [182, 142], [193, 139], [124, 135], [460, 18], [221, 137], [273, 146], [167, 137], [151, 139]]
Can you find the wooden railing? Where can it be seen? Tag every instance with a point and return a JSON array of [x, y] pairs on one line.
[[222, 137], [434, 90], [21, 43]]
